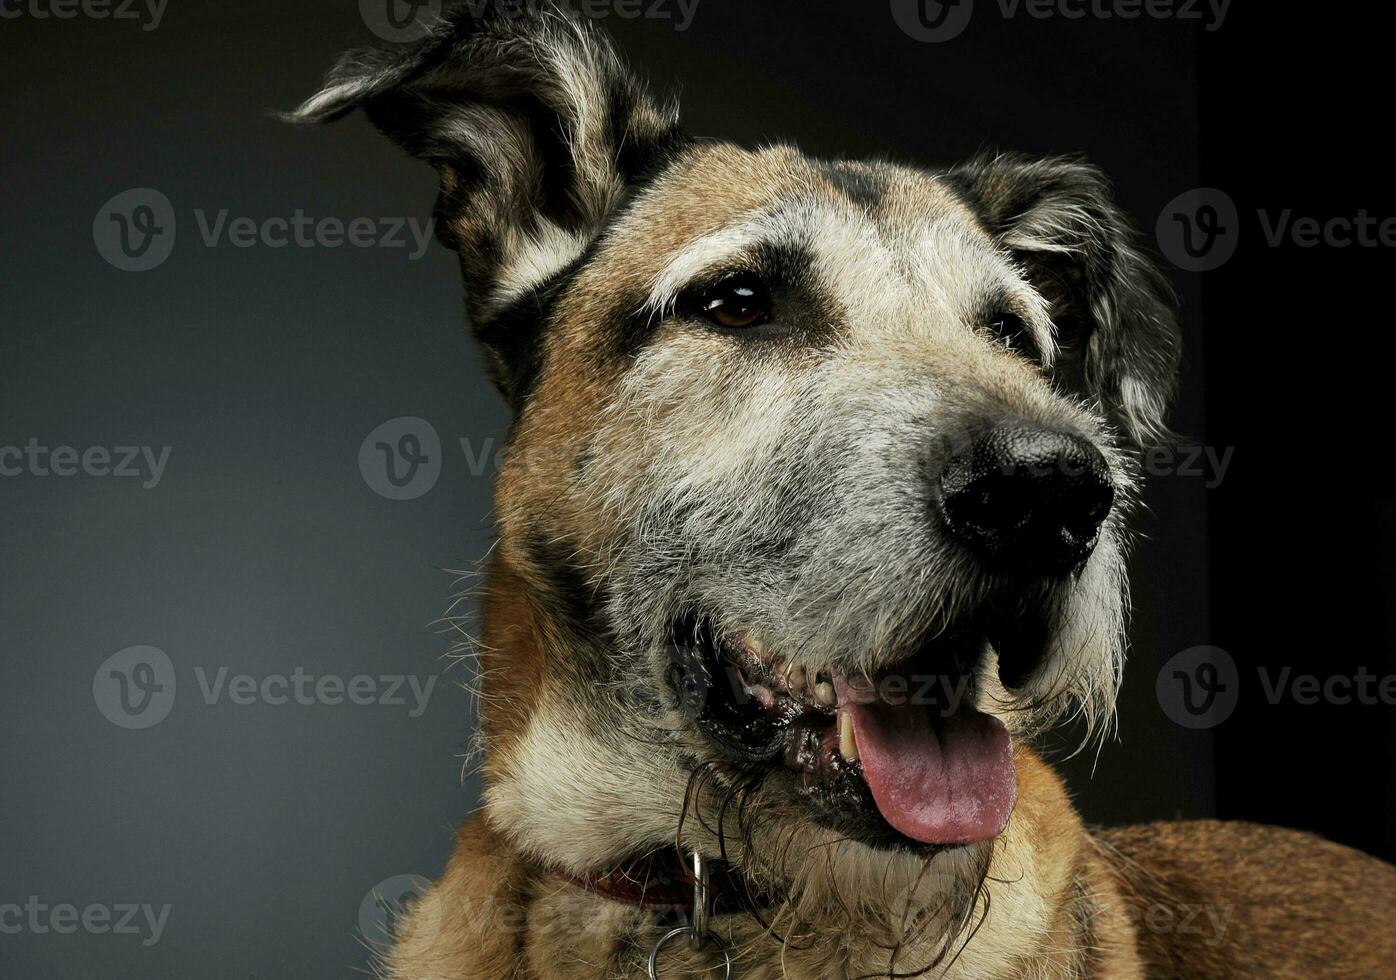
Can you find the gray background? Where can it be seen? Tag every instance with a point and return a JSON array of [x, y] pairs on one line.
[[263, 549]]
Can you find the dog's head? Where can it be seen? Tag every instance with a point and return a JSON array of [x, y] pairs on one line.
[[814, 501]]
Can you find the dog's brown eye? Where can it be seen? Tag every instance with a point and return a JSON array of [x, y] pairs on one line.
[[737, 303]]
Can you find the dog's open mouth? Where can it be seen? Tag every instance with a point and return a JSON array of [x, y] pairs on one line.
[[899, 758]]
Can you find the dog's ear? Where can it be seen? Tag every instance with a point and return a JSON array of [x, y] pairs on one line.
[[1116, 314], [535, 127]]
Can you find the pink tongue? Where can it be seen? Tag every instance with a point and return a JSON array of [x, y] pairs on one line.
[[950, 782]]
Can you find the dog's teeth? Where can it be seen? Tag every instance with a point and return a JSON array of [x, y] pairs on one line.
[[848, 742], [824, 693], [796, 678]]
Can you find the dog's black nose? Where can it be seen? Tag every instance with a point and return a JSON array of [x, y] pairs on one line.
[[1028, 499]]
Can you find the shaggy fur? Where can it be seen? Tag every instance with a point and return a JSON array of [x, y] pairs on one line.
[[777, 483]]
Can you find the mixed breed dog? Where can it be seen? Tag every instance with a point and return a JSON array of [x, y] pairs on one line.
[[813, 517]]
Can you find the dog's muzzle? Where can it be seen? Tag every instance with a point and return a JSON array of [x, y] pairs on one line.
[[1028, 499]]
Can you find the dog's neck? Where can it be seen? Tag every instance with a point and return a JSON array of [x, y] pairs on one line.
[[1056, 917], [1045, 888]]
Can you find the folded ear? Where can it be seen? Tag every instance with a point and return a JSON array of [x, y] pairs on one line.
[[1115, 312], [536, 129]]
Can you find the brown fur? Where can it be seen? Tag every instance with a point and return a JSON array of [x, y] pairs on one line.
[[1298, 906]]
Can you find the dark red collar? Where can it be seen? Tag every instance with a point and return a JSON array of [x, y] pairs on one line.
[[662, 882]]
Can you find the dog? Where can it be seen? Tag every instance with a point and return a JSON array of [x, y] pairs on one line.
[[813, 519]]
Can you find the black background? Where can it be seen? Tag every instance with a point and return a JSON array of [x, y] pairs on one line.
[[263, 369]]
